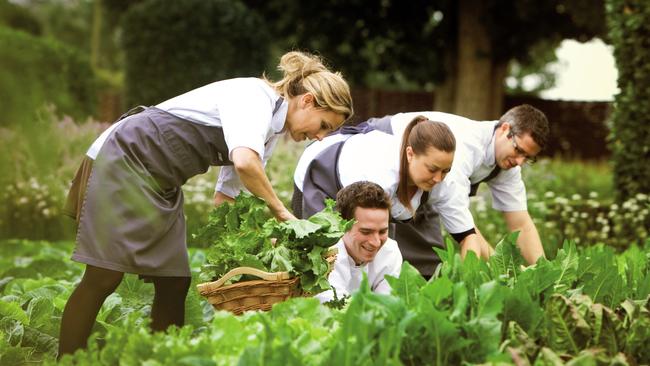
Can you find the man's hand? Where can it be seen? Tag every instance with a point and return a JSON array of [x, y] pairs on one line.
[[472, 243], [528, 241]]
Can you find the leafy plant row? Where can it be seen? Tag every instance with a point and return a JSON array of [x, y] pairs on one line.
[[582, 307]]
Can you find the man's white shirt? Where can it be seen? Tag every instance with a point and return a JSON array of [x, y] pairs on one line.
[[346, 276]]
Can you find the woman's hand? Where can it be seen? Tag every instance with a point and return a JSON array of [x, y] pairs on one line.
[[283, 215], [250, 169], [220, 198]]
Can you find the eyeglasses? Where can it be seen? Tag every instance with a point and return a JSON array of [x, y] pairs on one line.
[[519, 151]]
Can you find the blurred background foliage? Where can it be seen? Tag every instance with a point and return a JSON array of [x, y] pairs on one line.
[[189, 43], [69, 67]]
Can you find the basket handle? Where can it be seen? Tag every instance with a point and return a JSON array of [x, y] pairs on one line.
[[268, 276]]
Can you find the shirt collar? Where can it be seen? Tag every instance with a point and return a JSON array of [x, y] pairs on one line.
[[490, 159], [349, 258], [279, 118]]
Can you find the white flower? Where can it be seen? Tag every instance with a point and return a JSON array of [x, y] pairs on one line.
[[46, 212], [549, 194], [561, 200], [23, 200], [583, 215], [200, 197], [641, 196], [593, 194], [576, 197]]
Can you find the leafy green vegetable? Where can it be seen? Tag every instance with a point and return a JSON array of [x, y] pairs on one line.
[[240, 235]]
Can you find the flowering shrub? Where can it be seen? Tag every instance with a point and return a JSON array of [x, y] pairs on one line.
[[585, 220], [32, 209], [199, 202]]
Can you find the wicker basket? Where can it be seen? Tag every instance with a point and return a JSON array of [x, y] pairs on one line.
[[255, 294]]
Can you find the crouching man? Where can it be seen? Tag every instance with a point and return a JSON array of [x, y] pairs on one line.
[[366, 247]]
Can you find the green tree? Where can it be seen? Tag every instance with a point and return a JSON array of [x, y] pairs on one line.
[[491, 34], [174, 46], [629, 27], [375, 43], [463, 47], [18, 17]]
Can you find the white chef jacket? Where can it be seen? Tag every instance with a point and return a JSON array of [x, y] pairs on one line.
[[374, 157], [242, 107], [474, 159], [347, 275]]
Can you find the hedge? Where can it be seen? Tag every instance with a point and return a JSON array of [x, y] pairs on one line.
[[18, 17], [629, 27], [175, 46], [36, 71]]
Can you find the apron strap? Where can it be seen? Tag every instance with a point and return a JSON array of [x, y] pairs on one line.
[[322, 180], [278, 104], [474, 187]]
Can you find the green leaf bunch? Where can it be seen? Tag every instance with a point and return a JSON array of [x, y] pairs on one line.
[[243, 234]]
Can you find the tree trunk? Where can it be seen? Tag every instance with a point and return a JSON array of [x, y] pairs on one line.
[[499, 73], [473, 91], [95, 40], [474, 84], [445, 93]]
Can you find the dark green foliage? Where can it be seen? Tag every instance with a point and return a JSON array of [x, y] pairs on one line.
[[385, 43], [36, 71], [17, 17], [629, 27], [515, 26], [413, 44], [175, 46]]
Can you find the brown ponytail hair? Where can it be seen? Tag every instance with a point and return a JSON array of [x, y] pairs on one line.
[[305, 73], [421, 134]]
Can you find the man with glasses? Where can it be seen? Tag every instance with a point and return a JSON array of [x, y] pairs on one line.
[[491, 152]]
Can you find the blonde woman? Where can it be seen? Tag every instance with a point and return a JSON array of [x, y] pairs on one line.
[[131, 216]]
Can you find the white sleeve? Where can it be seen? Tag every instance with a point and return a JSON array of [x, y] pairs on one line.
[[508, 191], [451, 202], [228, 182], [373, 157], [245, 115]]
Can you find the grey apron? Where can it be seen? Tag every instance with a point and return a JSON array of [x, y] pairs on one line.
[[322, 179], [132, 217]]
